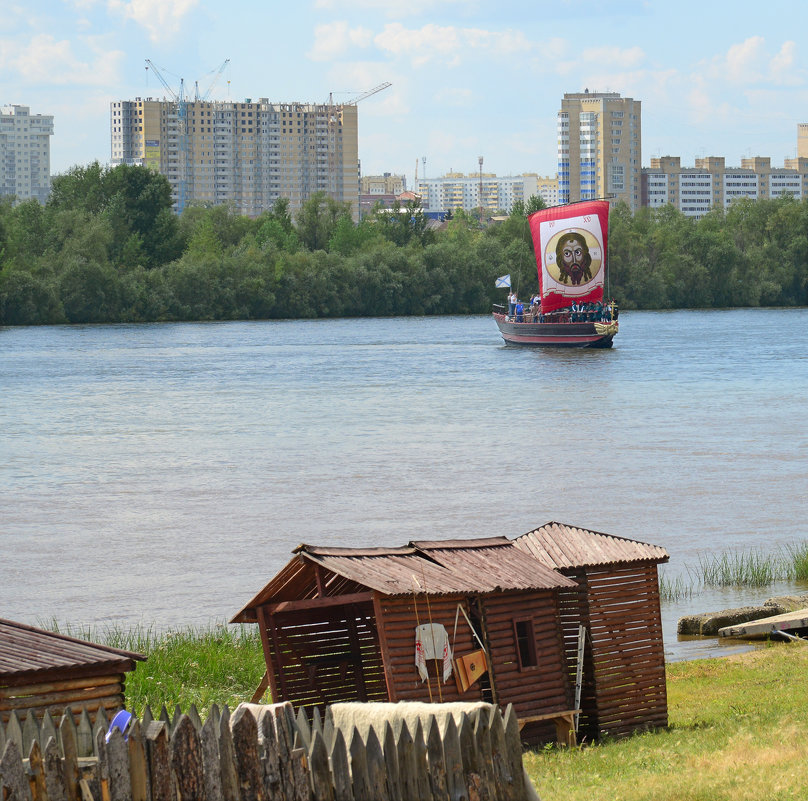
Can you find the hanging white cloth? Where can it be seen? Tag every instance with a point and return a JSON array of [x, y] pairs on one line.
[[432, 642]]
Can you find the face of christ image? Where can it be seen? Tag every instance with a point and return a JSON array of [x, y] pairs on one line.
[[573, 259]]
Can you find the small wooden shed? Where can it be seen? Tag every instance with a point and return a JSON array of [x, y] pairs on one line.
[[41, 670], [616, 600], [341, 624]]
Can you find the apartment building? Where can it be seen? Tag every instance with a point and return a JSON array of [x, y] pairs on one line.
[[711, 184], [472, 191], [25, 153], [599, 148], [249, 154], [547, 190]]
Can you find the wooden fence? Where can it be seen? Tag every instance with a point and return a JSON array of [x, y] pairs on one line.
[[270, 756]]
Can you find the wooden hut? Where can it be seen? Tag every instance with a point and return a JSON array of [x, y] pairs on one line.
[[342, 624], [616, 600], [41, 670]]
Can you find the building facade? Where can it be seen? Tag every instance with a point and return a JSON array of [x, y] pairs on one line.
[[711, 184], [249, 154], [25, 153], [599, 148], [471, 192], [547, 190]]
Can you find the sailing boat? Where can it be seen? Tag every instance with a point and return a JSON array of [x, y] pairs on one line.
[[570, 245]]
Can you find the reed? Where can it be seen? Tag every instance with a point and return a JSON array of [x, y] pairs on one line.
[[747, 568]]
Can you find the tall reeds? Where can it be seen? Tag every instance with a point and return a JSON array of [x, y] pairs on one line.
[[752, 567]]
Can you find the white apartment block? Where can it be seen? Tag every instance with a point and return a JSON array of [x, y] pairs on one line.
[[711, 184], [470, 192], [599, 148], [249, 154], [25, 153]]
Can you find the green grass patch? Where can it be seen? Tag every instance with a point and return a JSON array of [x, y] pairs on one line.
[[218, 664], [738, 732]]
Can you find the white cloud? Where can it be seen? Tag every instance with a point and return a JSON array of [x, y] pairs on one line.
[[160, 18], [336, 39], [46, 60], [448, 44], [782, 68], [409, 8]]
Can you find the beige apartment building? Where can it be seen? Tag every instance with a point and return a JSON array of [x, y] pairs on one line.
[[599, 148], [711, 184], [249, 154], [25, 153]]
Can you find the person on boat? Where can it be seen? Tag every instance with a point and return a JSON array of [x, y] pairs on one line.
[[573, 259], [511, 303], [520, 309]]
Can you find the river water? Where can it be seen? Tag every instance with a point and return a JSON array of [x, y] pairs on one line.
[[162, 474]]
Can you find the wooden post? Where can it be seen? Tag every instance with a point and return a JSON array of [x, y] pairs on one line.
[[421, 770], [209, 747], [482, 742], [36, 777], [13, 781], [340, 769], [359, 769], [270, 756], [391, 763], [120, 783], [245, 746], [227, 760], [377, 772], [162, 782], [406, 764], [138, 764], [102, 773], [436, 761], [321, 787], [454, 762], [30, 731], [70, 767], [384, 647], [513, 745]]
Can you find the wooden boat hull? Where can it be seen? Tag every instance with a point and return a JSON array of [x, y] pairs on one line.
[[558, 334]]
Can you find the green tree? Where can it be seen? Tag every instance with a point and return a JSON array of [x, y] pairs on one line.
[[317, 220]]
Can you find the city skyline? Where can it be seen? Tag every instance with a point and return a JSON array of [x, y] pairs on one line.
[[713, 79]]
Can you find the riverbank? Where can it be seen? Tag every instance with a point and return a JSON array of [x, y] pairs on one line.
[[738, 725], [738, 732]]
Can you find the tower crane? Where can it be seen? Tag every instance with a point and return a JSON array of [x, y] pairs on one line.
[[182, 133], [369, 92], [212, 83]]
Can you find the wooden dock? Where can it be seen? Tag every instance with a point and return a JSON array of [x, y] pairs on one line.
[[767, 625]]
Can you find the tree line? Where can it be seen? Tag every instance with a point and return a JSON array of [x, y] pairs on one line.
[[107, 247]]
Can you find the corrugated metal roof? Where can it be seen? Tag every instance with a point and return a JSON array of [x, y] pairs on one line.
[[560, 546], [436, 568], [493, 564], [28, 652]]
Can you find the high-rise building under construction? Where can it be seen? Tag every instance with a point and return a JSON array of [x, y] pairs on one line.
[[249, 154]]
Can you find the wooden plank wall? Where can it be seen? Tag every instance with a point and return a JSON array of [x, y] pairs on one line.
[[324, 656], [574, 612], [399, 617], [627, 648], [54, 696], [532, 690]]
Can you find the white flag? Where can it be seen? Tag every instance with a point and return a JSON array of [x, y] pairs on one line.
[[505, 281]]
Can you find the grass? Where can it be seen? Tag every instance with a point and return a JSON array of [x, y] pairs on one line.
[[746, 568], [738, 732], [218, 664]]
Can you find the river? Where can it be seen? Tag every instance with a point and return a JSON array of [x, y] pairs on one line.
[[162, 474]]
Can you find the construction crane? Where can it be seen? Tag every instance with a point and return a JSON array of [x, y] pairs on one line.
[[369, 92], [182, 133], [212, 83]]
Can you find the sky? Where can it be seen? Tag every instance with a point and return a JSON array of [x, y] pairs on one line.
[[468, 78]]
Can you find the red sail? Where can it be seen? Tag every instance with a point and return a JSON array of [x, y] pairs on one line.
[[570, 245]]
